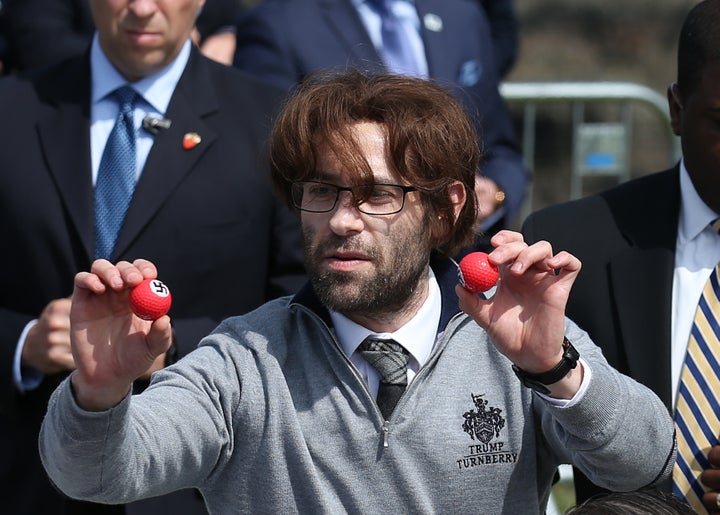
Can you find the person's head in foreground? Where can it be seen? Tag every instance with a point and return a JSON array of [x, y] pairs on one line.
[[382, 170], [649, 501]]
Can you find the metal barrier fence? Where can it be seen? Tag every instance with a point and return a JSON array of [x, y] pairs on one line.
[[597, 148]]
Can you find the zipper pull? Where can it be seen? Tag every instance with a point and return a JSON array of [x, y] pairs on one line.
[[386, 432]]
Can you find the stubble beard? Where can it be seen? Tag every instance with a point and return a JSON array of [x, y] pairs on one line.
[[386, 290]]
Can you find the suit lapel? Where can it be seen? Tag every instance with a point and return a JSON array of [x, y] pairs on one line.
[[168, 162], [344, 21], [64, 137], [645, 271], [434, 34], [636, 276]]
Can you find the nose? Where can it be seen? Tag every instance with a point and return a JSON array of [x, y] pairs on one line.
[[143, 8], [345, 218]]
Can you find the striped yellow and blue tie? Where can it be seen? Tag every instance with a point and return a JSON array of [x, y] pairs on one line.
[[697, 411]]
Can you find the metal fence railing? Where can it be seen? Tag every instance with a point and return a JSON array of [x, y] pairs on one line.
[[597, 148]]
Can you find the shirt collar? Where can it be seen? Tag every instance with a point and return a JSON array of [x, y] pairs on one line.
[[417, 336], [357, 3], [156, 89], [695, 215]]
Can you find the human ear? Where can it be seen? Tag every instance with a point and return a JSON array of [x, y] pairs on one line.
[[675, 107], [458, 196]]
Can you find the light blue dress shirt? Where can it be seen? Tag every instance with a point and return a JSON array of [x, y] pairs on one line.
[[155, 90]]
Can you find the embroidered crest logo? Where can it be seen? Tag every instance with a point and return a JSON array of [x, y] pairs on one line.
[[485, 423]]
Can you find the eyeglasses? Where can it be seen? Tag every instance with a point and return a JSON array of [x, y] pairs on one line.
[[321, 197]]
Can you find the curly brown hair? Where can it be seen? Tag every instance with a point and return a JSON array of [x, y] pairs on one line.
[[430, 142]]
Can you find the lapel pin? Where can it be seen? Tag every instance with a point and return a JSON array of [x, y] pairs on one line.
[[191, 140], [433, 22], [152, 124]]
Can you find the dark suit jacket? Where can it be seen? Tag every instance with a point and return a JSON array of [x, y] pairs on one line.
[[206, 216], [625, 238], [505, 28], [284, 40]]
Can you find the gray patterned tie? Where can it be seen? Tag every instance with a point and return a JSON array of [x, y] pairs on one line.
[[116, 175], [390, 359]]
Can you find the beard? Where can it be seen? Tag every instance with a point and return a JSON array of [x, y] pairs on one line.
[[386, 289]]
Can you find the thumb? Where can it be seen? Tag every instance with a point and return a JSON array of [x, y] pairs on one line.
[[160, 336], [474, 305]]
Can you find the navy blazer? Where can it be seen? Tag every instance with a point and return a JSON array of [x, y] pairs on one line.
[[625, 238], [206, 216], [282, 41]]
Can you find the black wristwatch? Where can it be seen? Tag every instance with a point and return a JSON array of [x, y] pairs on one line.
[[538, 381]]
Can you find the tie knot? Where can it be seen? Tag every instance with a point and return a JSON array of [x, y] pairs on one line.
[[388, 357], [126, 97], [372, 343]]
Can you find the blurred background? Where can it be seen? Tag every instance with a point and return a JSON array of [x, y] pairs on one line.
[[582, 147]]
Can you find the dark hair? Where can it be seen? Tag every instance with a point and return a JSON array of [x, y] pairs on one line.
[[699, 44], [640, 502], [430, 141]]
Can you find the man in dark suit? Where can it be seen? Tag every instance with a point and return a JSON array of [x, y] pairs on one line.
[[284, 40], [202, 207], [646, 246]]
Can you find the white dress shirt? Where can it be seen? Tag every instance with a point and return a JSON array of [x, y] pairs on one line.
[[697, 251], [417, 336]]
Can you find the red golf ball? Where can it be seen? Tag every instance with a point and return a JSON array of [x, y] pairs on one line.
[[476, 273], [150, 299]]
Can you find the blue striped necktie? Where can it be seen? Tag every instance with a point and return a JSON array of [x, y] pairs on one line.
[[116, 175], [697, 411], [390, 359], [396, 52]]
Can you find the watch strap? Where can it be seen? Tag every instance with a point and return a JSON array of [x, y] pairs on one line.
[[538, 381]]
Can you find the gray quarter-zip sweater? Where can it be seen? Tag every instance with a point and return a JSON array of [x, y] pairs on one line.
[[269, 415]]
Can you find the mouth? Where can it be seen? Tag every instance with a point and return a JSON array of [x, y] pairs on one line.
[[346, 261], [142, 36]]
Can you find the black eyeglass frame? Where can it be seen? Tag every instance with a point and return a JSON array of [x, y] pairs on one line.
[[358, 205]]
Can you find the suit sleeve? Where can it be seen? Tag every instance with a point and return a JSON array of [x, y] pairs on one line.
[[12, 324], [504, 29]]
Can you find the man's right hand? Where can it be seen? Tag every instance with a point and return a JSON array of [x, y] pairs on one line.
[[112, 347]]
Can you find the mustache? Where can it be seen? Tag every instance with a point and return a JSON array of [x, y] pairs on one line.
[[344, 244]]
